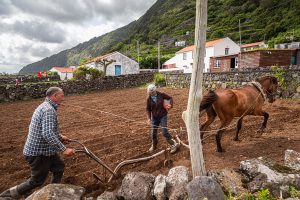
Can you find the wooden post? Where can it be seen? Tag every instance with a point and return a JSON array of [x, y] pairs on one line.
[[191, 115]]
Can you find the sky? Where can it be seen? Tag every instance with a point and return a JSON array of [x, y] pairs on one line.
[[31, 30]]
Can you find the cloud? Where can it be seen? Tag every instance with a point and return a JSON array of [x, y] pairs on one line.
[[39, 31], [5, 8], [31, 30], [34, 50], [79, 11]]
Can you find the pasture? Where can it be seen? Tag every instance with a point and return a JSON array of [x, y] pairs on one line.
[[113, 125]]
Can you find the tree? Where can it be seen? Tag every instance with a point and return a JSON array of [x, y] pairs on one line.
[[104, 62]]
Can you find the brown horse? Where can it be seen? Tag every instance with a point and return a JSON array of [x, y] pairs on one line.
[[230, 103]]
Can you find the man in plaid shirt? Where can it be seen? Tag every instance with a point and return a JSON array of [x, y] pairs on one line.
[[43, 145]]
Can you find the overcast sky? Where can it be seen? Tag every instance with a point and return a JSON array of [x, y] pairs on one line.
[[31, 30]]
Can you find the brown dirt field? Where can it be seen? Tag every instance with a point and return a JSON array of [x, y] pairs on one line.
[[114, 138]]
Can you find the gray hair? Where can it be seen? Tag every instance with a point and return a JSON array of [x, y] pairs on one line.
[[151, 88], [52, 90]]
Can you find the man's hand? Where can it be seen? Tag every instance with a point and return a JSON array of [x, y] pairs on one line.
[[69, 152], [65, 140]]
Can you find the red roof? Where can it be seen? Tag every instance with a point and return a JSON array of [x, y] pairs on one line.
[[64, 70], [208, 44], [251, 44]]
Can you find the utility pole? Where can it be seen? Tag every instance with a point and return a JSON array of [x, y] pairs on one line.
[[240, 60], [138, 51], [158, 54], [191, 115]]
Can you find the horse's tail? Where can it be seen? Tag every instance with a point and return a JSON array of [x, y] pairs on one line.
[[208, 100]]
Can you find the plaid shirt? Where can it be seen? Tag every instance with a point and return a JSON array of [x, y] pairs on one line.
[[43, 137]]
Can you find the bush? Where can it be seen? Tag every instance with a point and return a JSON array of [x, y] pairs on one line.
[[159, 78], [79, 74], [95, 73]]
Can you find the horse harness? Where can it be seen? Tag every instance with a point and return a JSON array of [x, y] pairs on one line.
[[258, 86]]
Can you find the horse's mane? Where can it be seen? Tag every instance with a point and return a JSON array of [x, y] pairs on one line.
[[272, 78]]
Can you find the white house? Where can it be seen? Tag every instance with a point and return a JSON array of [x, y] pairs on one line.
[[184, 58], [120, 64], [64, 73]]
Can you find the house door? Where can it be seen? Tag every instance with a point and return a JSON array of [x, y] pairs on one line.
[[232, 63], [118, 70]]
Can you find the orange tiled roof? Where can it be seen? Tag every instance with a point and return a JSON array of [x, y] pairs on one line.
[[208, 44], [251, 44], [64, 70]]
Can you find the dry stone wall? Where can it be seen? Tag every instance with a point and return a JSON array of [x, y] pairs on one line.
[[37, 90], [290, 78]]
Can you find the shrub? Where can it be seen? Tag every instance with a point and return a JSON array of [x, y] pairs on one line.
[[95, 73], [293, 192], [159, 78]]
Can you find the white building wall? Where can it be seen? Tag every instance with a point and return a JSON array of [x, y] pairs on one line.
[[216, 50], [62, 75], [128, 66]]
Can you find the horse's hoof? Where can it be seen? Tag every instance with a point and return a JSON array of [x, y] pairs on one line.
[[261, 131], [220, 150]]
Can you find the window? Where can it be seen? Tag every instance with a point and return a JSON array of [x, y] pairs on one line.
[[226, 51], [218, 64], [184, 56]]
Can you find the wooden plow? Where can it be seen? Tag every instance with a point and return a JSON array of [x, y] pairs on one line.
[[116, 173]]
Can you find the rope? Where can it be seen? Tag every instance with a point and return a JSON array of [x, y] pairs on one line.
[[170, 129]]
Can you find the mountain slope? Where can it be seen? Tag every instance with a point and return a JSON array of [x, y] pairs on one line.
[[173, 20]]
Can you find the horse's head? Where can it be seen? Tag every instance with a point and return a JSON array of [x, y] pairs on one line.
[[270, 86]]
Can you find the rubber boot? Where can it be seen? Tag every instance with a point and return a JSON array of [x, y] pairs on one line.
[[11, 193], [152, 148], [173, 144]]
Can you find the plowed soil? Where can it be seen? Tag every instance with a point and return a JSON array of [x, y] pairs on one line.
[[113, 125]]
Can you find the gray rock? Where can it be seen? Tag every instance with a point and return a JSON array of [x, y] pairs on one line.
[[230, 181], [292, 159], [264, 174], [202, 187], [107, 196], [177, 179], [178, 175], [136, 186], [58, 192], [160, 187]]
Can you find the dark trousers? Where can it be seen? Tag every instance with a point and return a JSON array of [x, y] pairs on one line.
[[40, 167], [155, 124]]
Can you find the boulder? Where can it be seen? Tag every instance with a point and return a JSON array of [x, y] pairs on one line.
[[262, 173], [160, 187], [292, 159], [177, 179], [58, 192], [230, 181], [136, 186], [204, 187], [107, 196]]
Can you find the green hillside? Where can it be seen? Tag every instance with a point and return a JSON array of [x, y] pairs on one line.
[[168, 21]]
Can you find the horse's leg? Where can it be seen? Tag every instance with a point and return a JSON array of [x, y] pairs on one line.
[[238, 128], [211, 115], [266, 117], [264, 124], [219, 134]]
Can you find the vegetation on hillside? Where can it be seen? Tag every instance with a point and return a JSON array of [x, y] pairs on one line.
[[168, 21]]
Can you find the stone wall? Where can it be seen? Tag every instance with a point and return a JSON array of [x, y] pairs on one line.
[[38, 90], [11, 79], [238, 78]]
